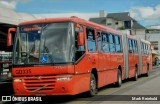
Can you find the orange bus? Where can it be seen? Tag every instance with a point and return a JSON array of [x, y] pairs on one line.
[[137, 58], [68, 56]]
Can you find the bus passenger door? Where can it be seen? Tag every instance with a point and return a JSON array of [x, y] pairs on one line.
[[131, 65], [107, 57], [100, 54], [101, 60], [106, 51], [113, 60]]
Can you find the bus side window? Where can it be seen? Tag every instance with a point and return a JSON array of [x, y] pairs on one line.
[[111, 43], [147, 49], [136, 47], [91, 40], [99, 42], [142, 48], [105, 42], [130, 48], [118, 44]]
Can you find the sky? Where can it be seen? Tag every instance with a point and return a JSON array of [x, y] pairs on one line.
[[146, 12]]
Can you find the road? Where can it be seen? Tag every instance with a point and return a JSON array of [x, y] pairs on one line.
[[111, 94]]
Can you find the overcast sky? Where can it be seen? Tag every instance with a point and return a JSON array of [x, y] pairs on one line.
[[147, 12]]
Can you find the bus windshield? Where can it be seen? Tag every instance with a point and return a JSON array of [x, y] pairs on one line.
[[44, 43]]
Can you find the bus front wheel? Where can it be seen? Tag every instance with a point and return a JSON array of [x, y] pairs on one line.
[[93, 85]]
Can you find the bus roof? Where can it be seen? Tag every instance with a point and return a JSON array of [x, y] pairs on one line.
[[132, 36], [145, 41], [72, 19]]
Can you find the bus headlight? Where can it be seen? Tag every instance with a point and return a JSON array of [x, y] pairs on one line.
[[68, 78], [17, 80]]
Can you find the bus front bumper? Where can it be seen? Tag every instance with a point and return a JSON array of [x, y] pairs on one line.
[[50, 85]]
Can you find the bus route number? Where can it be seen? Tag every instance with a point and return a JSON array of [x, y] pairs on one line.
[[24, 71]]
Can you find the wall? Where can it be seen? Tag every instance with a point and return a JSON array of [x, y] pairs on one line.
[[110, 21], [139, 33], [153, 37]]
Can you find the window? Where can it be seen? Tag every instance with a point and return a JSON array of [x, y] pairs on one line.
[[127, 24], [136, 47], [118, 44], [111, 43], [147, 49], [99, 42], [133, 46], [109, 24], [130, 45], [91, 40], [116, 23], [105, 42], [142, 48], [80, 50]]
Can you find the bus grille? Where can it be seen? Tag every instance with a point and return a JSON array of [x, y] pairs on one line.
[[39, 83]]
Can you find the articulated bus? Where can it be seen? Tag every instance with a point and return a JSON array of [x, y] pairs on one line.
[[68, 56]]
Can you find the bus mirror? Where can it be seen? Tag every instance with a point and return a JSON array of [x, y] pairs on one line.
[[9, 36], [80, 39]]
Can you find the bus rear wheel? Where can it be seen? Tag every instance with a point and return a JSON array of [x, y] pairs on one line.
[[119, 79], [93, 85], [147, 74], [136, 74]]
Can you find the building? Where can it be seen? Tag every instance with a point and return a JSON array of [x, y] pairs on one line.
[[120, 21], [126, 24], [153, 35], [9, 18]]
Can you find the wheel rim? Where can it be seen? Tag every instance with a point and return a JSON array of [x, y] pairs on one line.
[[148, 70], [136, 75], [120, 80], [93, 85]]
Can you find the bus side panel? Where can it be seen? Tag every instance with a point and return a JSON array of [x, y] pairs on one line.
[[136, 58], [144, 64], [103, 65], [150, 63], [150, 59]]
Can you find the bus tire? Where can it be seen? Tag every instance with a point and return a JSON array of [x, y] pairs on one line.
[[136, 74], [147, 74], [93, 85], [119, 79]]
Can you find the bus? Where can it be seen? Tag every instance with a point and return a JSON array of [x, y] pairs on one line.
[[68, 56]]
